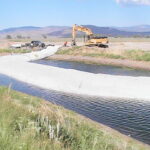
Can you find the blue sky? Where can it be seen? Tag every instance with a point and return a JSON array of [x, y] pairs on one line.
[[14, 13]]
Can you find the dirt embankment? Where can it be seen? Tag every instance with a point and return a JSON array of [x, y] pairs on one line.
[[104, 61], [4, 54], [136, 59]]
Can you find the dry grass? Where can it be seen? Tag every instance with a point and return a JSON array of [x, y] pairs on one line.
[[9, 51], [138, 55], [132, 39]]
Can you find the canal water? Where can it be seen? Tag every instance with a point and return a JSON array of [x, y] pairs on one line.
[[96, 69], [131, 117]]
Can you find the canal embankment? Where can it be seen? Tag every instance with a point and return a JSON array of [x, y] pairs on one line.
[[136, 59], [22, 68], [133, 64], [72, 81]]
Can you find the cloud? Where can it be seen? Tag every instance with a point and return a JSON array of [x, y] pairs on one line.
[[138, 2]]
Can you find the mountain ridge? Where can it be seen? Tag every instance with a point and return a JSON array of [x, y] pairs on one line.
[[65, 31]]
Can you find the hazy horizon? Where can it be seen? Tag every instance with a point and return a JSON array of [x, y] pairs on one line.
[[71, 26]]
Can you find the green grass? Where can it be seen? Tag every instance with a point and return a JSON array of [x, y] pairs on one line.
[[14, 51], [69, 51], [30, 123], [105, 55]]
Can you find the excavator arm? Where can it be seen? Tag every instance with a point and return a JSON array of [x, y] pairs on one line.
[[82, 29]]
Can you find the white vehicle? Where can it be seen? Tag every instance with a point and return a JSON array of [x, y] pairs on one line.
[[16, 46]]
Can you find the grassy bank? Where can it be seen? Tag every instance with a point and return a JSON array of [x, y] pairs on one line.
[[138, 55], [29, 123], [14, 51]]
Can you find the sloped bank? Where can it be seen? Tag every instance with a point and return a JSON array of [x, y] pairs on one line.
[[132, 58], [39, 125], [72, 81], [141, 65]]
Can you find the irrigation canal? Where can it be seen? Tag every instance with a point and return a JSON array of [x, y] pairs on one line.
[[129, 116]]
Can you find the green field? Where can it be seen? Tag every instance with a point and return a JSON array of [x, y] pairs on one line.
[[30, 123]]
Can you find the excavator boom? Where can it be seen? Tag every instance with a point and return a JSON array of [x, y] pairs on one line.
[[82, 29]]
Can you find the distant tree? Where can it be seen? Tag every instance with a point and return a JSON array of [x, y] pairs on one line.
[[19, 37], [148, 36], [8, 37], [44, 36]]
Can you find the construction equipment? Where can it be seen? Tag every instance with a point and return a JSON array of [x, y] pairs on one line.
[[92, 40]]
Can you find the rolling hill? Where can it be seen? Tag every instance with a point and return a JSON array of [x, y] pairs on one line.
[[140, 28], [65, 31]]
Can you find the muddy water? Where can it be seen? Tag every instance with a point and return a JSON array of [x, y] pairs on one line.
[[131, 117]]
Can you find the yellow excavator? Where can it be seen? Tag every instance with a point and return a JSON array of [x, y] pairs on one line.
[[92, 40]]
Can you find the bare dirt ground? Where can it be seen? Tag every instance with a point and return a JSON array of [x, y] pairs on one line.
[[145, 46], [4, 54], [5, 44], [115, 44]]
